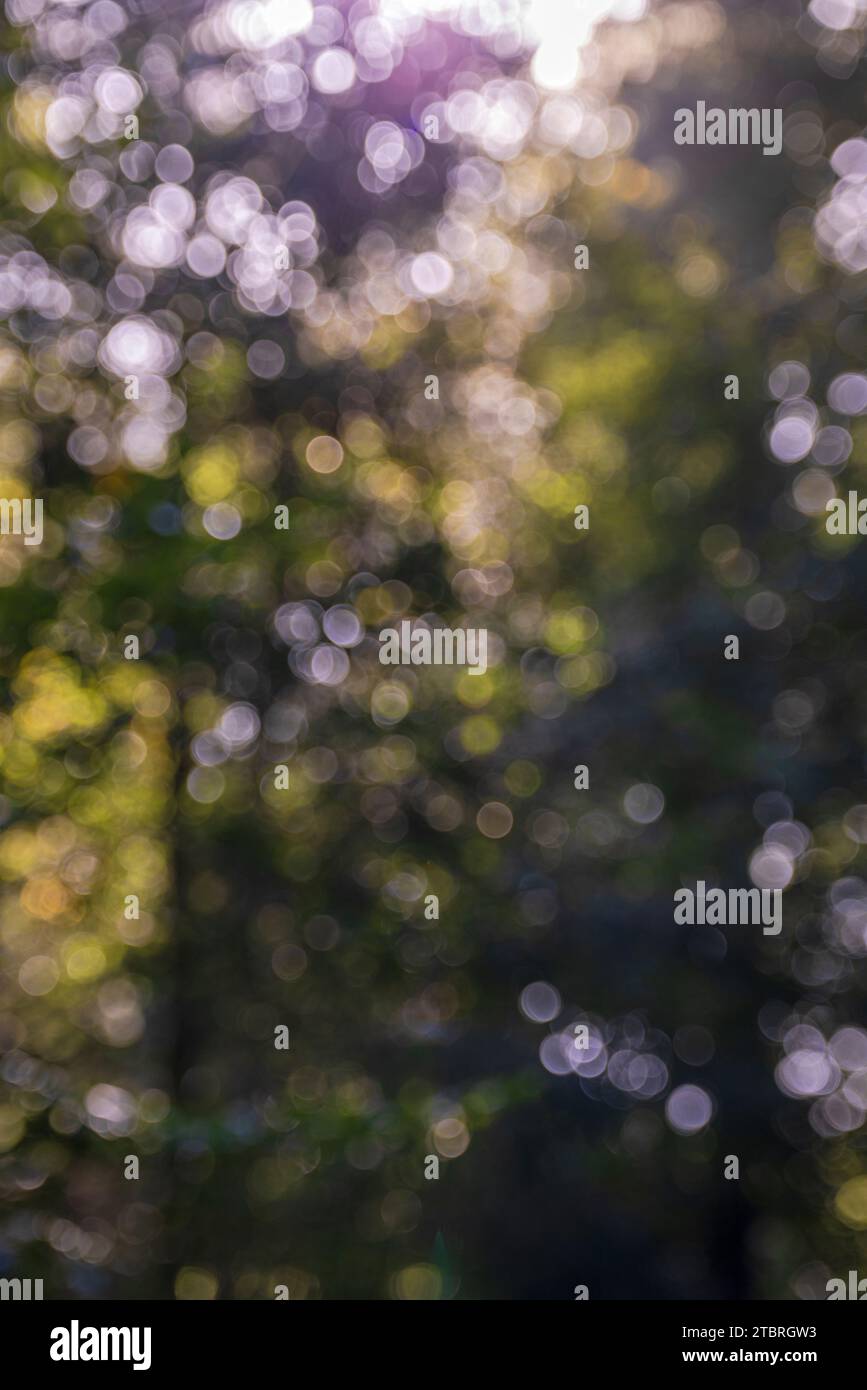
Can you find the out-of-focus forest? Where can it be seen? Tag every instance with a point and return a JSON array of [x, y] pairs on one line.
[[264, 254]]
